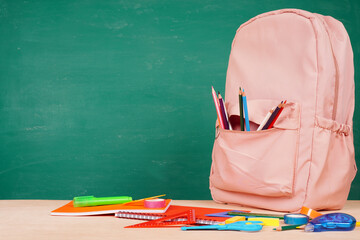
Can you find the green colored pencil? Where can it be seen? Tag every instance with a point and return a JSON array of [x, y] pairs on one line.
[[287, 227], [241, 110]]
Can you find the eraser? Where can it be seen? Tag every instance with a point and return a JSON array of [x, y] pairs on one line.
[[273, 222]]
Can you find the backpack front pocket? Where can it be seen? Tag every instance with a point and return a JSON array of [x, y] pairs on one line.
[[258, 162]]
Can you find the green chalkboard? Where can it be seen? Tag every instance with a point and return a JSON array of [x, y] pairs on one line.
[[113, 97]]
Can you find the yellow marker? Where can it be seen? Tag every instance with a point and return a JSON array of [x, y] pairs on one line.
[[358, 224], [235, 219], [273, 222]]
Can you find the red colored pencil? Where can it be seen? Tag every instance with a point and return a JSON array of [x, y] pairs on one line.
[[277, 115]]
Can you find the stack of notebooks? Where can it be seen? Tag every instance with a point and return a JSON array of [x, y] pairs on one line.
[[138, 207], [138, 211]]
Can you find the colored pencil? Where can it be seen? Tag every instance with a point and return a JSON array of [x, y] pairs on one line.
[[277, 115], [226, 114], [223, 112], [281, 216], [272, 117], [241, 110], [217, 106], [247, 123], [288, 227], [227, 117], [262, 124], [144, 199]]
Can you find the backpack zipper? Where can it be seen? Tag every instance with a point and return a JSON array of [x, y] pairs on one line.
[[336, 92]]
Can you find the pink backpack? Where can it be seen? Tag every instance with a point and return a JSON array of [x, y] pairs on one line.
[[307, 158]]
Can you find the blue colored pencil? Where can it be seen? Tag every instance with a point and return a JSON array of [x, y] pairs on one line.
[[247, 123]]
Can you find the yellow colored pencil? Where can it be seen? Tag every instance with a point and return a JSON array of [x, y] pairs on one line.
[[145, 199]]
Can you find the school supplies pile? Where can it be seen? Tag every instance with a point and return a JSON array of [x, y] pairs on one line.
[[296, 74], [253, 222], [158, 213], [150, 208]]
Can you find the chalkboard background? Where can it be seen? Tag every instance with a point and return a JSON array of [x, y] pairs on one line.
[[113, 97]]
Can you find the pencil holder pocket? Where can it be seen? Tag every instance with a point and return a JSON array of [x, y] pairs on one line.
[[258, 162]]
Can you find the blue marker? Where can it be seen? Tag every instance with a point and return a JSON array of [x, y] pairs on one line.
[[246, 111]]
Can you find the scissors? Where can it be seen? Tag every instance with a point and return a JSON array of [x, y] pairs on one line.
[[248, 226]]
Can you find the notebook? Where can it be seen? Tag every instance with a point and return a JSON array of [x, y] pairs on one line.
[[137, 207], [200, 214]]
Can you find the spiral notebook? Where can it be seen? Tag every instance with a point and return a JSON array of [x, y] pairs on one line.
[[200, 214], [137, 207]]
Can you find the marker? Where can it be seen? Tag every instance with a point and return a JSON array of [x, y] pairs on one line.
[[87, 201]]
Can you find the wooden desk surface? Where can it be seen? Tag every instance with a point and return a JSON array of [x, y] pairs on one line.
[[31, 219]]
